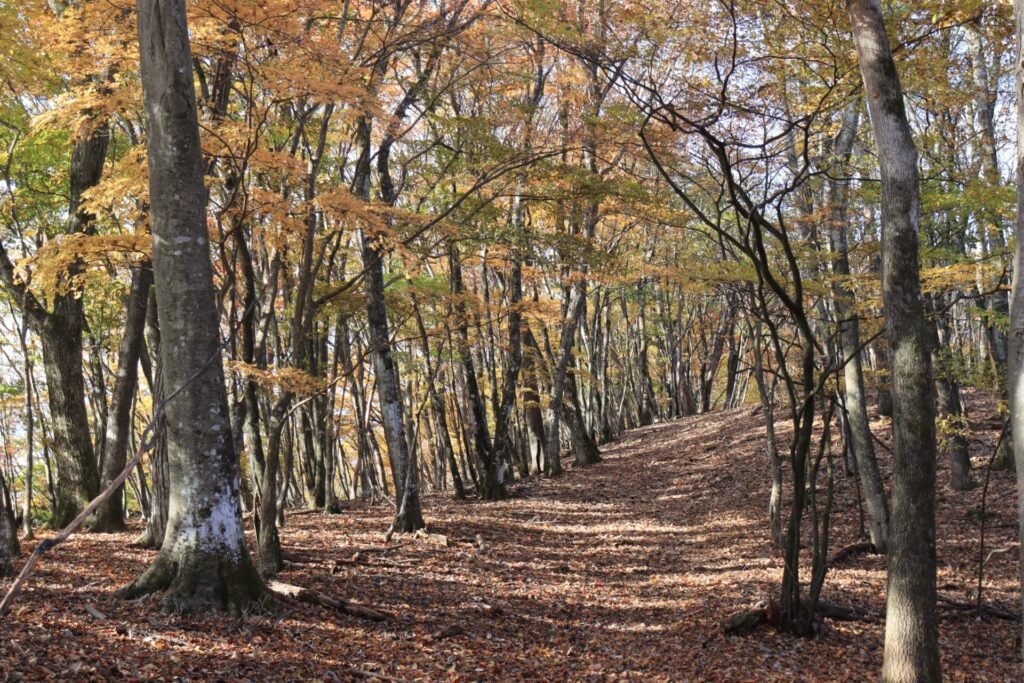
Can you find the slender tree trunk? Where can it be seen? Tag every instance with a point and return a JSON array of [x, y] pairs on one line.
[[160, 491], [30, 424], [861, 443], [491, 484], [985, 107], [409, 516], [444, 438], [204, 562], [911, 626], [949, 409], [552, 449], [510, 378], [110, 515]]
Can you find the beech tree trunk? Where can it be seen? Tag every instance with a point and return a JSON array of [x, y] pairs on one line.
[[110, 515], [204, 562], [849, 331], [77, 480], [60, 334], [553, 447], [911, 625], [1016, 336], [491, 484]]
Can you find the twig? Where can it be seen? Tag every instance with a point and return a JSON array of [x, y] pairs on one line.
[[1001, 551], [983, 609]]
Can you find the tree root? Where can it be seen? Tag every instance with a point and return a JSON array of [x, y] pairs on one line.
[[201, 584]]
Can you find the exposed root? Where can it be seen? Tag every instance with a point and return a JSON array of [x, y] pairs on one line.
[[201, 584]]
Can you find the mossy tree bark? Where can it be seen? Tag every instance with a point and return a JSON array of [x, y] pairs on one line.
[[911, 625]]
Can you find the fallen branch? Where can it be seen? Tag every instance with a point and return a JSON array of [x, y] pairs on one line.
[[991, 610], [145, 444], [840, 613], [302, 511], [95, 613], [378, 549], [1001, 551], [132, 632], [313, 597], [852, 549], [744, 622], [449, 632]]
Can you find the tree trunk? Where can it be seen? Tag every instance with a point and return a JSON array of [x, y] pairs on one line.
[[110, 515], [77, 480], [861, 444], [204, 562], [552, 449], [444, 438], [911, 625], [510, 377], [491, 484], [409, 516], [950, 410], [1016, 336]]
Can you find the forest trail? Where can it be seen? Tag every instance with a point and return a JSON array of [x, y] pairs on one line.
[[619, 571]]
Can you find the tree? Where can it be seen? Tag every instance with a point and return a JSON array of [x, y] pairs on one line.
[[110, 516], [911, 630], [1015, 378], [204, 563]]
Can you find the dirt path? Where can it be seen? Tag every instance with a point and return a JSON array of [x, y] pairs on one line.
[[620, 571]]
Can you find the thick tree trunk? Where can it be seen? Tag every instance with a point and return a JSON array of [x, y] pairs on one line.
[[60, 331], [9, 547], [586, 451], [204, 562], [77, 480], [1016, 336], [911, 626], [510, 378], [110, 515]]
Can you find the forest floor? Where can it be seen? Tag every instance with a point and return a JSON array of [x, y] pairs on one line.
[[620, 571]]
